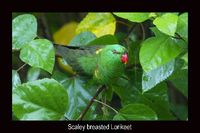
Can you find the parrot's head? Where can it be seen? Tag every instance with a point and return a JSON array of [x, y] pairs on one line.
[[120, 52], [111, 63]]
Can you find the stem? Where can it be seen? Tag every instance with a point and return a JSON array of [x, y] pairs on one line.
[[21, 67], [106, 105], [179, 37], [143, 31], [99, 90]]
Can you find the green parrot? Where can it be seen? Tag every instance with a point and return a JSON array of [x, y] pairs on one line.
[[102, 62]]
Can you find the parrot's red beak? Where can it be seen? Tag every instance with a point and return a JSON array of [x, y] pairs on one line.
[[124, 58]]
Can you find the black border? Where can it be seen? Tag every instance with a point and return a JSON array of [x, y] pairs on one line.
[[80, 6]]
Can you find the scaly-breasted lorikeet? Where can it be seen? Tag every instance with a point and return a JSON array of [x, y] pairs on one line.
[[103, 62]]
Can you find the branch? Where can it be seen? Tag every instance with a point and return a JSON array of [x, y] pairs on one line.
[[143, 31], [106, 105], [21, 67], [99, 90], [179, 37]]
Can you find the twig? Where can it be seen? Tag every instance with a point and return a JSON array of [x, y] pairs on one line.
[[143, 31], [106, 105], [21, 67], [179, 37], [99, 90]]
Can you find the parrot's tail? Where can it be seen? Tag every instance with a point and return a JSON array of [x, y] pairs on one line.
[[60, 49], [67, 46]]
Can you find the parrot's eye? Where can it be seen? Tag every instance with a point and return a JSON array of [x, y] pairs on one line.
[[115, 52]]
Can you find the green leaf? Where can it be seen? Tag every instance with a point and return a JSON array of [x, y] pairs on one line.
[[24, 29], [79, 95], [15, 79], [180, 110], [180, 81], [134, 17], [156, 98], [136, 112], [119, 117], [98, 23], [104, 40], [44, 99], [39, 53], [157, 51], [33, 74], [167, 23], [182, 27], [125, 89], [153, 77], [156, 32], [185, 58], [82, 39], [79, 98]]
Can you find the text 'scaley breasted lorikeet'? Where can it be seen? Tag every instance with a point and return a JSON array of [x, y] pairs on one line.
[[103, 62]]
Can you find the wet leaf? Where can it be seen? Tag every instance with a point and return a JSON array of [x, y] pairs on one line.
[[24, 29], [157, 51], [153, 77], [39, 53], [79, 96], [44, 99]]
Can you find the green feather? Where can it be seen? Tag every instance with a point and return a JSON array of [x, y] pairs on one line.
[[101, 62], [109, 66], [72, 57]]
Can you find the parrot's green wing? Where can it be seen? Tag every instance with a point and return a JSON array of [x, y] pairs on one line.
[[103, 62], [76, 56]]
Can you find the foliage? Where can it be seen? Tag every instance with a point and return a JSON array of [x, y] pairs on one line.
[[152, 86]]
